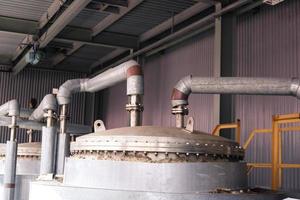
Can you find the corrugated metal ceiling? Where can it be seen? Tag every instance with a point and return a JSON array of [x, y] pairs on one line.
[[88, 18], [83, 58], [149, 14], [29, 9], [9, 43]]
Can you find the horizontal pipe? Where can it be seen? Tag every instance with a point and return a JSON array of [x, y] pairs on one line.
[[26, 112], [130, 71], [10, 108], [48, 103], [74, 129], [233, 85]]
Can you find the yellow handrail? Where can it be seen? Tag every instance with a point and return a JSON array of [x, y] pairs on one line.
[[276, 147], [236, 126]]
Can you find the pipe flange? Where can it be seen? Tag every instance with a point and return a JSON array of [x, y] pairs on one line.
[[135, 107], [180, 110]]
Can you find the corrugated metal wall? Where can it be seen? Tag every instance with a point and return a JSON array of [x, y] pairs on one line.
[[268, 45], [32, 83], [161, 74]]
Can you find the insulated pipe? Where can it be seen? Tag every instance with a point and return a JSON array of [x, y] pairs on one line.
[[74, 129], [46, 109], [130, 71], [11, 109], [230, 85], [49, 102], [47, 152]]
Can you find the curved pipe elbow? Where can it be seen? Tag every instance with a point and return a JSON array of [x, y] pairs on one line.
[[181, 91], [295, 87], [130, 71], [10, 108], [66, 90], [48, 103]]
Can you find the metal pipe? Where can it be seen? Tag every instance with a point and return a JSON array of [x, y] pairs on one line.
[[47, 151], [75, 129], [10, 108], [63, 142], [13, 128], [135, 108], [49, 103], [130, 71], [231, 85], [49, 118]]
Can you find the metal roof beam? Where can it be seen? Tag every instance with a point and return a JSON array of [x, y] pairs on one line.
[[114, 17], [65, 18], [173, 21]]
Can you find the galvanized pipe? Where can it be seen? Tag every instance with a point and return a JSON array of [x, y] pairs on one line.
[[231, 85], [75, 129], [49, 103], [63, 150], [130, 71]]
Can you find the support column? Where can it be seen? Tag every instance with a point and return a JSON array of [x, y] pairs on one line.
[[10, 164], [47, 151], [63, 147], [217, 63], [228, 69]]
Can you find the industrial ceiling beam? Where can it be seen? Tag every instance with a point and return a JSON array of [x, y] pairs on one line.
[[63, 20], [114, 17], [184, 15], [173, 21], [108, 21]]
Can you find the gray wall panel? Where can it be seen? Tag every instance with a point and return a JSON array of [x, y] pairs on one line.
[[161, 73], [33, 83], [268, 45]]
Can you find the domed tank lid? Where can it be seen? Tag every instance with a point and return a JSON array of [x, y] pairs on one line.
[[32, 149], [156, 140]]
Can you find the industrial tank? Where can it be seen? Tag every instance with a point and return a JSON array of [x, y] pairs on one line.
[[28, 167], [156, 159]]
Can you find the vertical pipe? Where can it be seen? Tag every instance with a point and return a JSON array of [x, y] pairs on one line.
[[10, 164], [50, 118], [238, 131], [135, 109], [275, 154], [47, 152], [63, 147], [179, 120]]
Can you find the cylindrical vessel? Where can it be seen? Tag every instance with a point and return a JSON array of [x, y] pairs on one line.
[[10, 170], [27, 168], [47, 151]]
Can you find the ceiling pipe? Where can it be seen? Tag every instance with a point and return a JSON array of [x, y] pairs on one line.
[[228, 85], [130, 71]]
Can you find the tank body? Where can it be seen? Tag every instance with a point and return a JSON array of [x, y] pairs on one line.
[[28, 167]]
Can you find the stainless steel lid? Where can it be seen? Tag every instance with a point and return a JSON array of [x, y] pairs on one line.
[[155, 144]]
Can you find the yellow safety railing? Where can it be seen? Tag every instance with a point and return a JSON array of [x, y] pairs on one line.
[[276, 146], [236, 126]]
